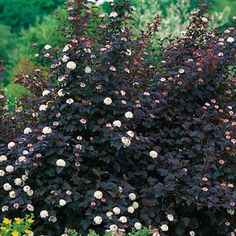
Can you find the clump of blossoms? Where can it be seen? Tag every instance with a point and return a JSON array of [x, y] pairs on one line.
[[120, 136]]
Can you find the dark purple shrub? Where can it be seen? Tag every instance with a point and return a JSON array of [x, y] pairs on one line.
[[122, 134]]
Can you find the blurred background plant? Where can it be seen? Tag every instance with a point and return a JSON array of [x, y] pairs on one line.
[[23, 23]]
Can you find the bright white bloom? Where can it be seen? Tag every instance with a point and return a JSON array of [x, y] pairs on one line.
[[192, 233], [97, 220], [30, 193], [131, 210], [130, 133], [65, 58], [71, 65], [2, 172], [164, 227], [129, 115], [7, 187], [87, 70], [107, 101], [170, 217], [181, 71], [11, 145], [153, 154], [44, 214], [117, 123], [9, 169], [12, 194], [62, 202], [60, 93], [5, 208], [24, 177], [3, 158], [47, 47], [98, 195], [113, 14], [132, 196], [116, 210], [109, 214], [18, 181], [47, 130], [126, 142], [43, 107], [27, 130], [61, 163], [123, 219], [230, 40], [26, 188], [137, 225], [69, 101], [45, 92], [135, 205]]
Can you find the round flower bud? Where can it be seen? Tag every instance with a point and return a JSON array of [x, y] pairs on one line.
[[230, 40], [131, 210], [26, 188], [62, 202], [123, 219], [30, 207], [7, 187], [61, 163], [98, 195], [44, 214], [27, 130], [170, 217], [117, 123], [126, 142], [3, 158], [153, 154], [18, 181], [137, 225], [109, 214], [9, 169], [5, 208], [47, 47], [47, 130], [97, 220], [135, 205], [69, 101], [107, 101], [164, 227], [116, 210], [12, 194], [11, 145], [87, 70], [129, 115], [71, 65], [132, 196], [43, 107]]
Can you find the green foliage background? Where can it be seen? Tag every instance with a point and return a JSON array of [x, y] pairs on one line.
[[23, 23]]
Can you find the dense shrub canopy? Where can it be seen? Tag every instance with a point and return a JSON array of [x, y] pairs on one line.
[[121, 135]]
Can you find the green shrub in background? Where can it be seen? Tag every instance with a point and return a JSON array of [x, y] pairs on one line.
[[175, 18], [21, 58], [21, 14]]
